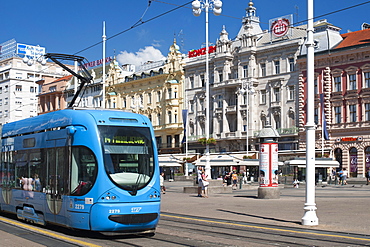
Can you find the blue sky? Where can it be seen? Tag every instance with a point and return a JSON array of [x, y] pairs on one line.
[[71, 26]]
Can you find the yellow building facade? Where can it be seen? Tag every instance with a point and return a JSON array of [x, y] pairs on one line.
[[155, 91]]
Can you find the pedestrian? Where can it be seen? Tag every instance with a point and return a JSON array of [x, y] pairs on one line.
[[344, 176], [340, 176], [333, 174], [161, 182], [296, 183], [205, 184], [234, 178], [199, 181], [367, 175], [245, 177]]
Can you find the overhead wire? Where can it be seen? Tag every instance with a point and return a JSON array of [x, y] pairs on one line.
[[141, 21], [137, 24]]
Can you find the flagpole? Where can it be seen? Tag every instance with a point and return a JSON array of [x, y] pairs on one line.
[[103, 89]]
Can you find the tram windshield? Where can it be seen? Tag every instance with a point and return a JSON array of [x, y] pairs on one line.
[[128, 156]]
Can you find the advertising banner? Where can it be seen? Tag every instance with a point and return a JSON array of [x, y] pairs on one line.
[[30, 50], [281, 26], [269, 165]]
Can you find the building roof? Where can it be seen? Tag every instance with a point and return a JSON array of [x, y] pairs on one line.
[[65, 78], [355, 38]]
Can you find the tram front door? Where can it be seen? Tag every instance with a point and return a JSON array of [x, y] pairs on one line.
[[56, 182]]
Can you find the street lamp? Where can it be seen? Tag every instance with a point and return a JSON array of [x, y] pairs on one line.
[[246, 90], [309, 218], [216, 6]]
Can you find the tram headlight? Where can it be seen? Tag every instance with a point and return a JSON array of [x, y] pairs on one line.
[[107, 198]]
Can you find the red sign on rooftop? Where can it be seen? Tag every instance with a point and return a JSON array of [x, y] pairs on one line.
[[201, 51]]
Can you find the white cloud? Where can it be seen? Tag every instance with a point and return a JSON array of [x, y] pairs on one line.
[[149, 53]]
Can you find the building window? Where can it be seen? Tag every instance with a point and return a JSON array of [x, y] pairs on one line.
[[337, 84], [367, 112], [245, 71], [159, 96], [291, 64], [169, 141], [367, 79], [191, 78], [276, 94], [220, 76], [159, 119], [175, 118], [277, 67], [352, 113], [201, 104], [202, 80], [263, 97], [315, 86], [18, 88], [169, 117], [175, 95], [338, 114], [352, 82], [316, 116], [149, 98], [219, 101], [263, 69], [169, 92], [291, 94]]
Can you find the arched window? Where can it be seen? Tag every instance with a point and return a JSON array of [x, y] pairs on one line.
[[353, 162], [338, 154]]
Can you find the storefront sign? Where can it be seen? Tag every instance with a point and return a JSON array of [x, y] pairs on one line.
[[202, 51], [349, 139], [97, 62]]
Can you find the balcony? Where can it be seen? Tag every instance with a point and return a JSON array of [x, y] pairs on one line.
[[231, 109]]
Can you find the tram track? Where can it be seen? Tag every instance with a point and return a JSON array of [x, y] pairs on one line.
[[189, 230], [248, 233]]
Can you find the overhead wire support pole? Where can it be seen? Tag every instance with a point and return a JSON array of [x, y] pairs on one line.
[[309, 218]]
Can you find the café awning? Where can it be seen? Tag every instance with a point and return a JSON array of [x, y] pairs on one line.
[[319, 163]]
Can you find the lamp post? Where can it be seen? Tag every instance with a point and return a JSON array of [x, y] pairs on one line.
[[36, 57], [310, 217], [216, 6], [246, 90]]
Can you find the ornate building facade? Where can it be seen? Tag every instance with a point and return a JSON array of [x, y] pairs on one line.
[[157, 92], [342, 72], [253, 82]]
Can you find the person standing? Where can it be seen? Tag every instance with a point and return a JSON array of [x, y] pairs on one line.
[[344, 176], [205, 184], [161, 182], [199, 180], [367, 175], [234, 178]]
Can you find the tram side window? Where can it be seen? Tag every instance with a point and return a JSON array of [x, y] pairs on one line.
[[8, 179], [83, 170], [37, 169], [22, 170]]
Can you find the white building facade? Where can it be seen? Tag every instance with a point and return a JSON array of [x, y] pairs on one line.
[[18, 87], [253, 82]]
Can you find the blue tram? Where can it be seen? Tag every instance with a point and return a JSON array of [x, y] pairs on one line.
[[85, 169]]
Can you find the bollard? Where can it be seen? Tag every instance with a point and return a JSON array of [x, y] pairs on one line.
[[240, 183]]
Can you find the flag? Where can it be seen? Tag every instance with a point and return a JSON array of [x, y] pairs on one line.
[[323, 119], [184, 119]]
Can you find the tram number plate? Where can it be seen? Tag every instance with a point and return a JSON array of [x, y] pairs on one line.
[[135, 209], [79, 206], [114, 211]]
